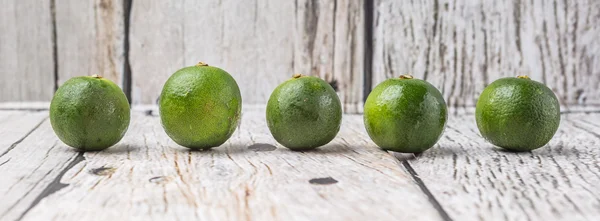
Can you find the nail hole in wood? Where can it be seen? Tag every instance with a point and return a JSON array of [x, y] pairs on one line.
[[262, 147], [103, 171], [159, 179], [322, 181]]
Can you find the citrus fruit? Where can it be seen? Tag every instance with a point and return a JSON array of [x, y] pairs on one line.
[[517, 114], [89, 113], [405, 115], [200, 106], [304, 113]]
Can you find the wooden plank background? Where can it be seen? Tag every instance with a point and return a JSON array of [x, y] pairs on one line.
[[473, 180], [90, 39], [459, 46], [27, 65]]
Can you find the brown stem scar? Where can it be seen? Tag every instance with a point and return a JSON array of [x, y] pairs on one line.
[[406, 76]]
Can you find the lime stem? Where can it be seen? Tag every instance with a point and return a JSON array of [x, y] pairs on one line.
[[96, 76], [201, 64], [297, 75], [406, 76], [524, 77]]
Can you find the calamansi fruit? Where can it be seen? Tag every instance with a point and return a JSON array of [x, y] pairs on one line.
[[517, 114], [200, 106], [304, 113], [89, 113], [405, 115]]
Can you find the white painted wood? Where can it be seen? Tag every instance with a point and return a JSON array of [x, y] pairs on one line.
[[156, 47], [462, 46], [15, 126], [30, 168], [459, 46], [148, 177], [473, 180], [90, 39], [42, 105], [26, 61], [260, 43]]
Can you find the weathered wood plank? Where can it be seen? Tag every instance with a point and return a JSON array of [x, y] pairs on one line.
[[25, 106], [26, 54], [260, 43], [90, 39], [461, 46], [147, 176], [30, 164], [472, 180], [16, 126]]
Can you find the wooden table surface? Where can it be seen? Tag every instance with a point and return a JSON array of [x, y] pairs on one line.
[[148, 177]]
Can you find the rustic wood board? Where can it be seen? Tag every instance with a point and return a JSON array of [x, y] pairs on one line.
[[260, 43], [147, 176], [29, 162], [26, 51], [472, 180], [90, 39], [461, 46], [16, 126], [24, 106]]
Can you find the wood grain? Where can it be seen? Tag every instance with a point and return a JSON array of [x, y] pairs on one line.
[[459, 46], [462, 46], [90, 39], [473, 180], [29, 162], [260, 43], [147, 176], [25, 106], [26, 51], [15, 126]]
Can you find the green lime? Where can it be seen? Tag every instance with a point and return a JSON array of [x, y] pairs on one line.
[[517, 114], [304, 113], [89, 113], [200, 106], [405, 115]]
